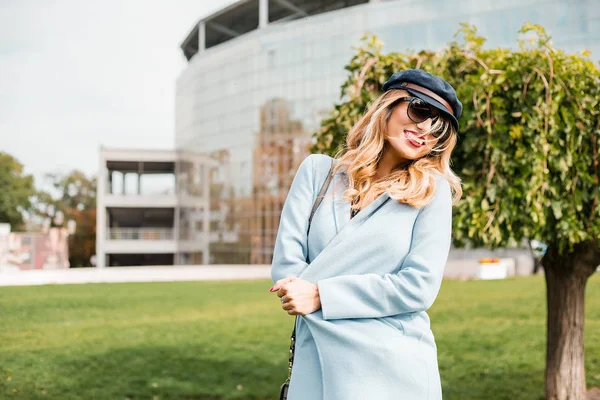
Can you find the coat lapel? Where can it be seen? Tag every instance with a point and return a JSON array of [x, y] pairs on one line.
[[350, 228], [352, 224], [344, 225], [341, 208]]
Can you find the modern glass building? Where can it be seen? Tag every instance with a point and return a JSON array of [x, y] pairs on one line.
[[262, 74]]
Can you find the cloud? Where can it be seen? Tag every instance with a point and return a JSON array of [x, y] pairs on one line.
[[75, 75]]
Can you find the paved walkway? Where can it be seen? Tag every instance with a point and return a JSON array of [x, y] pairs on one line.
[[455, 269], [135, 274]]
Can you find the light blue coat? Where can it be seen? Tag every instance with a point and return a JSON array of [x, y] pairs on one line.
[[377, 273]]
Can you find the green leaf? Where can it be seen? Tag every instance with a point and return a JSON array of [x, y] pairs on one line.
[[516, 131], [485, 205], [557, 209]]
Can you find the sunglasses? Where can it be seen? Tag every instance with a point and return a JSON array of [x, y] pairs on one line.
[[418, 111]]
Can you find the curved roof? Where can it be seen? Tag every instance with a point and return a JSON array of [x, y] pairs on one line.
[[243, 16]]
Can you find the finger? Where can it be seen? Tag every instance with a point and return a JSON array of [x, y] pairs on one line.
[[293, 312], [282, 291], [282, 282], [288, 303], [276, 285]]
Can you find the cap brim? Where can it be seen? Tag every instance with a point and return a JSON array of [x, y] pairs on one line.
[[436, 104]]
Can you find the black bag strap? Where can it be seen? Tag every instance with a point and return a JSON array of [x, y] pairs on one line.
[[320, 197], [318, 201]]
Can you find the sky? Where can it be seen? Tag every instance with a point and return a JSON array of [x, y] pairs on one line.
[[79, 74]]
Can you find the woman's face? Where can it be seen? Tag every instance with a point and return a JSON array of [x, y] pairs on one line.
[[407, 140]]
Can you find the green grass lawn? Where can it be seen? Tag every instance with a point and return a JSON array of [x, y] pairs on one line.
[[229, 340]]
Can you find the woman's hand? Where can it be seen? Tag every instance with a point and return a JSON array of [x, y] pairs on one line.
[[298, 296]]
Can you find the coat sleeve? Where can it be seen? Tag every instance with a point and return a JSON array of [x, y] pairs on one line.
[[289, 254], [414, 287]]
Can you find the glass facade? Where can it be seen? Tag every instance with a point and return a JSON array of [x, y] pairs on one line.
[[253, 102]]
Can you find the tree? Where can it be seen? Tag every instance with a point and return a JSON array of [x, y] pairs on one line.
[[75, 190], [82, 244], [528, 157], [16, 188], [76, 200]]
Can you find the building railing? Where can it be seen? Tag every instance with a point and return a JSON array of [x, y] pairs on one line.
[[139, 234], [163, 192]]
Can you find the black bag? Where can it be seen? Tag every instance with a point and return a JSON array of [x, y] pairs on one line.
[[284, 388]]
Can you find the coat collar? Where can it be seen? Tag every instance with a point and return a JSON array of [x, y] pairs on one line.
[[341, 208]]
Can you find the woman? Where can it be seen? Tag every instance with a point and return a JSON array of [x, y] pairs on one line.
[[377, 248]]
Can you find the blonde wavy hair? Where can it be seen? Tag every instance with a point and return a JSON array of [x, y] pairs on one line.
[[413, 183]]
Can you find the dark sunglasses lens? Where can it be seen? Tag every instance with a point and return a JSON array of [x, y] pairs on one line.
[[418, 110]]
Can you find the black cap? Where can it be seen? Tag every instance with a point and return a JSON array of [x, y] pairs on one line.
[[430, 88]]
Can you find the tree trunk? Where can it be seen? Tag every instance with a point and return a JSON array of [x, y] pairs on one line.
[[566, 276]]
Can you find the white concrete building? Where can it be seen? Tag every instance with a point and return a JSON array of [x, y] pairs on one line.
[[152, 208]]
